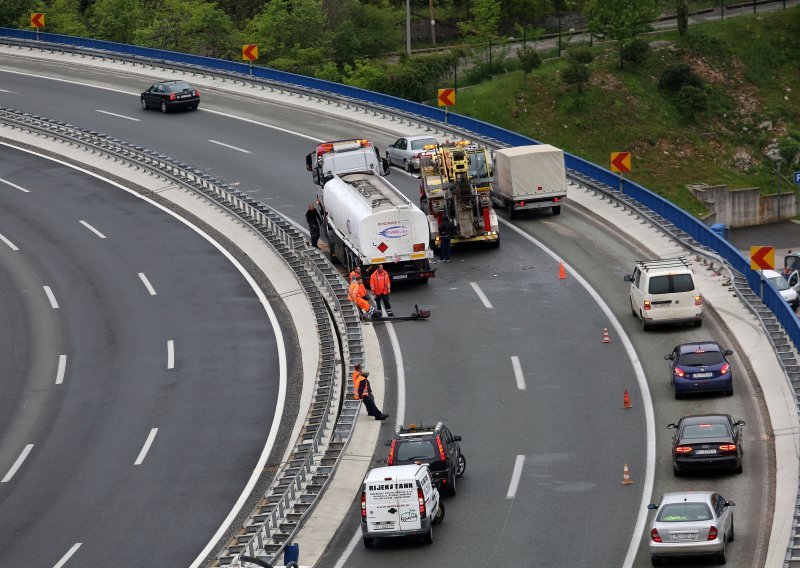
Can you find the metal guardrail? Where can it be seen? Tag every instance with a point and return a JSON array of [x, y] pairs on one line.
[[321, 283]]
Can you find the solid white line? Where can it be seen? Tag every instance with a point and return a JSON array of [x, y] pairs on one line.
[[481, 295], [15, 186], [641, 379], [351, 546], [147, 443], [92, 229], [401, 375], [512, 487], [170, 354], [117, 115], [518, 372], [4, 91], [9, 243], [231, 147], [258, 469], [17, 464], [62, 367], [50, 297], [147, 284], [68, 555]]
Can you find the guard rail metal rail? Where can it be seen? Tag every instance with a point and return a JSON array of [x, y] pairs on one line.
[[657, 210], [292, 494]]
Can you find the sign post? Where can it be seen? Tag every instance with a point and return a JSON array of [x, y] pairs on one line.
[[621, 163], [37, 21], [446, 98], [250, 54]]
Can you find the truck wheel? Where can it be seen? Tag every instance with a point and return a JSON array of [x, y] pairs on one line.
[[368, 542], [511, 213], [439, 516], [556, 209], [427, 538], [496, 244]]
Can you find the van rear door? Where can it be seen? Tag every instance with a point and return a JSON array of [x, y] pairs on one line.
[[383, 507], [408, 497], [683, 296]]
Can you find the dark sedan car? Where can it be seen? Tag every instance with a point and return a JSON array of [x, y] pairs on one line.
[[700, 367], [170, 95], [706, 442]]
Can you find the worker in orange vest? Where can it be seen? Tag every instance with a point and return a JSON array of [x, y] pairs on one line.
[[357, 294], [356, 273], [381, 286], [363, 391]]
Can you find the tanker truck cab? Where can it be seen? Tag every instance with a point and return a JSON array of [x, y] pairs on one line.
[[399, 501], [344, 156]]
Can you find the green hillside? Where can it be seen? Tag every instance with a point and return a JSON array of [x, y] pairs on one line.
[[750, 71]]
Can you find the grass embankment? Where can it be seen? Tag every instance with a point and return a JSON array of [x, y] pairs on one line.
[[751, 68]]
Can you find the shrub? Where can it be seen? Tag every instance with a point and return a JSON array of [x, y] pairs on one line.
[[580, 54], [635, 51], [678, 75], [691, 101], [529, 60], [576, 74]]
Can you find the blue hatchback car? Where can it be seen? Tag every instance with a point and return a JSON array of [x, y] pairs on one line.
[[700, 367]]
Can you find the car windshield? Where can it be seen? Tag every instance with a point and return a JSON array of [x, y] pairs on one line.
[[683, 512], [420, 144], [701, 359], [415, 450], [177, 87], [779, 282], [477, 165], [671, 283], [659, 285], [705, 431]]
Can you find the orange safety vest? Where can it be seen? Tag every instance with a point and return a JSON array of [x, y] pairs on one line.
[[353, 291], [357, 378], [380, 283]]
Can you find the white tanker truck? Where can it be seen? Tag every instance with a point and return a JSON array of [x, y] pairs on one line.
[[369, 221]]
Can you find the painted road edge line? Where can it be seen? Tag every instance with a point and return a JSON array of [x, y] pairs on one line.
[[62, 367], [147, 284], [15, 186], [17, 464], [146, 448], [515, 476], [68, 555], [518, 373], [51, 297], [117, 115], [170, 354], [92, 229], [481, 295], [9, 243]]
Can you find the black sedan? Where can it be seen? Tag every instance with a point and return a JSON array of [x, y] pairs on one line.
[[706, 442], [169, 95]]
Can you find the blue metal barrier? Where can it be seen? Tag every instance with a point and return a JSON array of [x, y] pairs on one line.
[[680, 218]]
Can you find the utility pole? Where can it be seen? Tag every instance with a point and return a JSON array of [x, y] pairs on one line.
[[778, 168], [433, 23], [408, 28]]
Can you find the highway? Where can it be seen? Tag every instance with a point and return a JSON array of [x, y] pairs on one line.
[[569, 508], [139, 385]]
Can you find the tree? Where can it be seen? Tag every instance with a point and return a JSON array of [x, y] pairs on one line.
[[284, 29], [682, 12], [115, 20], [620, 20], [692, 100], [635, 51], [12, 12], [485, 20], [789, 149], [62, 17], [529, 60], [576, 74], [365, 30]]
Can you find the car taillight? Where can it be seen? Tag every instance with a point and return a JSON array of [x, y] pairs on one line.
[[390, 461], [728, 447], [697, 301], [725, 368], [172, 96], [647, 305], [363, 506], [679, 372], [655, 536], [441, 449], [683, 450], [712, 533], [197, 93], [421, 498]]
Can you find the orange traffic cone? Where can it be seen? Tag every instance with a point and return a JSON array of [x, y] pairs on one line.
[[626, 400], [626, 476], [561, 273], [606, 338]]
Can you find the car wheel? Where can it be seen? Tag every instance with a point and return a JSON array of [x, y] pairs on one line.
[[389, 158], [451, 486], [427, 538], [461, 466], [164, 106], [698, 323], [645, 325], [722, 556], [656, 561], [676, 472], [145, 106], [439, 516], [633, 310], [738, 469], [407, 166], [729, 392], [732, 535], [368, 542], [194, 107], [675, 390]]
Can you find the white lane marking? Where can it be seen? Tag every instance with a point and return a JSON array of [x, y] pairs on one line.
[[481, 295], [68, 555], [62, 367], [512, 487], [117, 115], [9, 243], [518, 372], [641, 379], [401, 374], [17, 464], [50, 297], [4, 91], [170, 354], [147, 284], [92, 229], [231, 147], [351, 546], [147, 443], [15, 186]]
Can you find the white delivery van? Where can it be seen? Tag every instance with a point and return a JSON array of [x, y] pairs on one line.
[[664, 292], [399, 501]]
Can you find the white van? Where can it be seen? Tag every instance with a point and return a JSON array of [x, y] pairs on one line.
[[399, 501], [664, 291]]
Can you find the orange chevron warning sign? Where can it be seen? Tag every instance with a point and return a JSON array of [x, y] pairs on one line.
[[37, 20], [446, 97], [762, 258], [250, 52], [621, 162]]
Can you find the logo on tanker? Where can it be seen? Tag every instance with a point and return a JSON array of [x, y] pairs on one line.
[[394, 232], [349, 227]]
